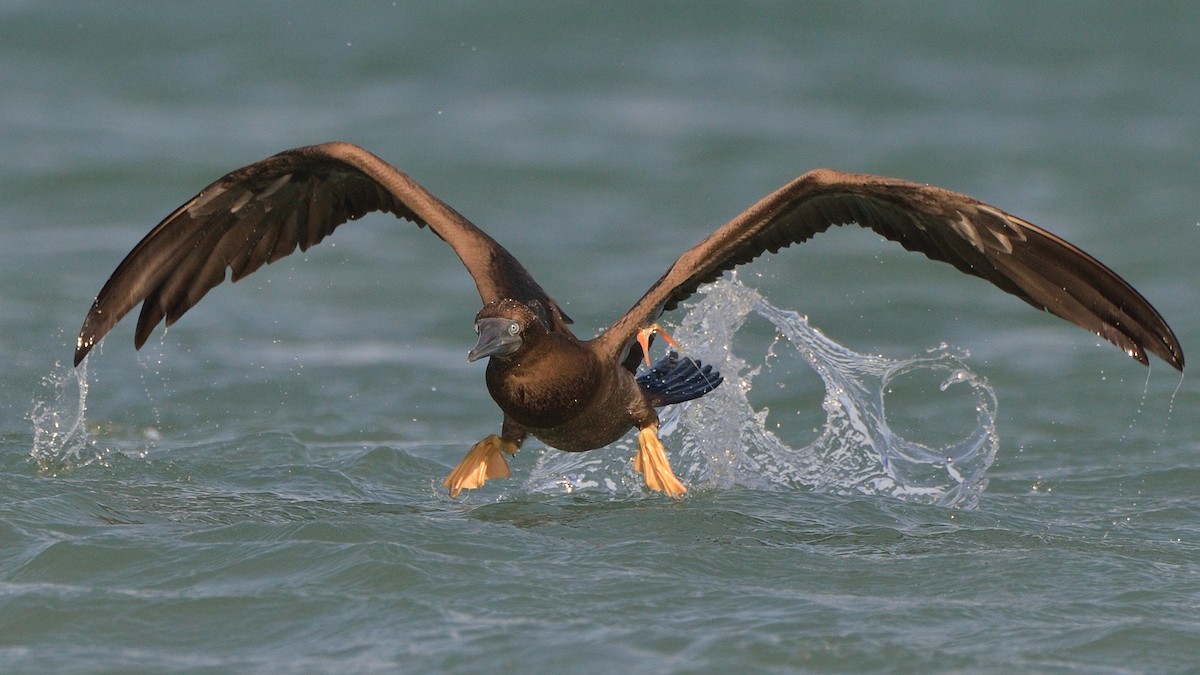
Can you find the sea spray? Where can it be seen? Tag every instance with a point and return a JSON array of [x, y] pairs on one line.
[[722, 441], [60, 437]]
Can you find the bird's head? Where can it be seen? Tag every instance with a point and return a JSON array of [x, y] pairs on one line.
[[504, 328]]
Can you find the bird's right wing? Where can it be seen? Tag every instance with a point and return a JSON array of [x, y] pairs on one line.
[[262, 212]]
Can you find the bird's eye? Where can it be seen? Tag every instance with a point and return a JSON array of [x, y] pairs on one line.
[[514, 328]]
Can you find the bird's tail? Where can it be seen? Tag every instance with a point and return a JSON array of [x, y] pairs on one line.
[[675, 379]]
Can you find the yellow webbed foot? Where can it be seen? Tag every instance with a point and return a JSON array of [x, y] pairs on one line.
[[651, 460], [483, 461], [643, 338]]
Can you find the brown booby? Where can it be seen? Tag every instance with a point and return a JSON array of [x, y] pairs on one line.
[[573, 394]]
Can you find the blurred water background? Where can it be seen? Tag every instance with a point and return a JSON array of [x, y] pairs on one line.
[[259, 490]]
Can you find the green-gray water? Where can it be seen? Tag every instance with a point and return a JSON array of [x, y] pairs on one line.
[[259, 490]]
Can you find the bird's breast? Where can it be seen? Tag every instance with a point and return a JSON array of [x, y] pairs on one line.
[[542, 390], [569, 401]]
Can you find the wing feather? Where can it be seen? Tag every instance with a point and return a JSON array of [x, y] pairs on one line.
[[264, 211], [976, 238]]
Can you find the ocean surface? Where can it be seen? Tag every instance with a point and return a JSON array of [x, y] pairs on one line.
[[258, 489]]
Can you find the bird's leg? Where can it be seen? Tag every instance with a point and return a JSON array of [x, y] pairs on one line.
[[643, 338], [651, 460], [483, 461]]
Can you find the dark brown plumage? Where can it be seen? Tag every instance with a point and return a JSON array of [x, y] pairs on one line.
[[578, 395]]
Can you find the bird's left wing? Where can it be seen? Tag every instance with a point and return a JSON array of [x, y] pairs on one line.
[[978, 239]]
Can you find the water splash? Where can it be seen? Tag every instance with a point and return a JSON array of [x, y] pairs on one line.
[[722, 441], [60, 438]]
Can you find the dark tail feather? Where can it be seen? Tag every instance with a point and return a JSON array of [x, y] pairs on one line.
[[675, 379]]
